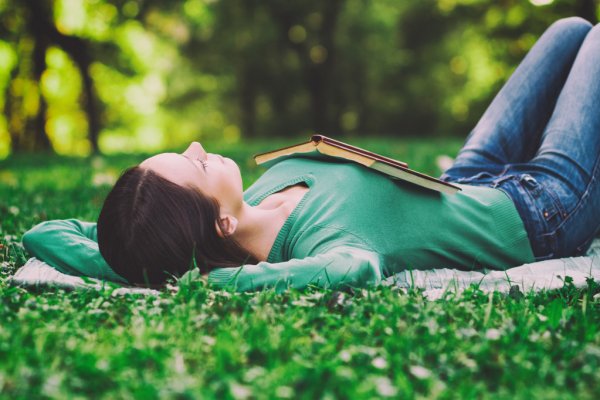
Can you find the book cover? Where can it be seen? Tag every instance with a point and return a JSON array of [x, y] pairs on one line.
[[335, 148]]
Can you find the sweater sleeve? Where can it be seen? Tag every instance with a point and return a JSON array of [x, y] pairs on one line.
[[70, 246], [341, 267]]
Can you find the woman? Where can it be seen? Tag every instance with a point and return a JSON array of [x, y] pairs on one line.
[[529, 173]]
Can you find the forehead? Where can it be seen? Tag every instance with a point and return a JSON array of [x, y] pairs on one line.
[[172, 166]]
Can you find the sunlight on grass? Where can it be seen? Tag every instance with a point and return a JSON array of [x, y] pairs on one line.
[[192, 342]]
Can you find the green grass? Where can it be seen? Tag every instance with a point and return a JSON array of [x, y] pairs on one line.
[[198, 343]]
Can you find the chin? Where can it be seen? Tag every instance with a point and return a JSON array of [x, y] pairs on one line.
[[233, 165]]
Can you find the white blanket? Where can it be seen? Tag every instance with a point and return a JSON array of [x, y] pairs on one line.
[[36, 273], [435, 282], [536, 276]]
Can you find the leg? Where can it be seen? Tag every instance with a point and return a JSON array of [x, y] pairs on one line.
[[568, 160], [510, 129]]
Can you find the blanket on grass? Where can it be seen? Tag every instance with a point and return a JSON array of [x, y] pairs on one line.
[[542, 275]]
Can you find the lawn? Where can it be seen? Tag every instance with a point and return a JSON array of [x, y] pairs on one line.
[[198, 343]]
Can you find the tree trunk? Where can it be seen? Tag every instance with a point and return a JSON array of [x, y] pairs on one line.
[[13, 122], [45, 34], [318, 74], [587, 10], [77, 48], [39, 136]]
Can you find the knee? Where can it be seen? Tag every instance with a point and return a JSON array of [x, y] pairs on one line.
[[595, 31], [573, 24]]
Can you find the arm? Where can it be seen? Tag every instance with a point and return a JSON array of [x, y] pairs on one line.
[[341, 267], [70, 246]]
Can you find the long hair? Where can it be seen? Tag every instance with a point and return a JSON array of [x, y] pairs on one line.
[[151, 229]]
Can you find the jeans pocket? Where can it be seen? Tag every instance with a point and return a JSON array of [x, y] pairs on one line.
[[547, 215], [548, 204]]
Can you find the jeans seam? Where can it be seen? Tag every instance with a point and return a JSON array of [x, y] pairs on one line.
[[560, 208], [579, 206], [584, 196]]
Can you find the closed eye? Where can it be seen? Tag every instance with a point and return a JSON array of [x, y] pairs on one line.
[[193, 161]]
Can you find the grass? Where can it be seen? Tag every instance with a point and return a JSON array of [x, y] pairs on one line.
[[199, 343]]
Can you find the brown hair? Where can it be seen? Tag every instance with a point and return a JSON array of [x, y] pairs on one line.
[[151, 229]]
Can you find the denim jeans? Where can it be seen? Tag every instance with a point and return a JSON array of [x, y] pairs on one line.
[[539, 141]]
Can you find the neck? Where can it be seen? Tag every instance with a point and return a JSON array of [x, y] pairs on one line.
[[258, 227]]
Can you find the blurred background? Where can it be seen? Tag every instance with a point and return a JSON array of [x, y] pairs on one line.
[[79, 77]]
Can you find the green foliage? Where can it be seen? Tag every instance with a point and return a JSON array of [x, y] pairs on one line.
[[383, 343], [165, 73], [192, 342]]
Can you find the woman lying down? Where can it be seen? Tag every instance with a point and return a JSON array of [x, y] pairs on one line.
[[529, 173]]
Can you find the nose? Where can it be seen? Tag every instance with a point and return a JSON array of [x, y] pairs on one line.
[[195, 151]]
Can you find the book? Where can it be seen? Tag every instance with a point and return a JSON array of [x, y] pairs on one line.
[[334, 148]]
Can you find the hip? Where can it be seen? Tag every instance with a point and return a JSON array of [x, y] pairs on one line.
[[558, 223]]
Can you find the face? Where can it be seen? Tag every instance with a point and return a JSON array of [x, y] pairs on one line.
[[214, 175]]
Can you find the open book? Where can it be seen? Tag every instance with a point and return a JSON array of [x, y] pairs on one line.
[[334, 148]]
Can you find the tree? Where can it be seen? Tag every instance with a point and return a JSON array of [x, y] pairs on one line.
[[29, 24]]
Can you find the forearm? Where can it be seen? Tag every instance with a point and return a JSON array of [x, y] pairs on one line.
[[343, 268], [71, 247]]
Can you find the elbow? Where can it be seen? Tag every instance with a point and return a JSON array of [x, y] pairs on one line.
[[30, 238], [36, 236], [29, 241]]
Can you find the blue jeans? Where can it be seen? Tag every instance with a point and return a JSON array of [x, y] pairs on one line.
[[539, 141]]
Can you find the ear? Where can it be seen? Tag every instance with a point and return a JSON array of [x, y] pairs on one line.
[[229, 224]]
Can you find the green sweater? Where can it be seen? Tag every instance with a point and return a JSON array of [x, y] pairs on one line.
[[353, 227]]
